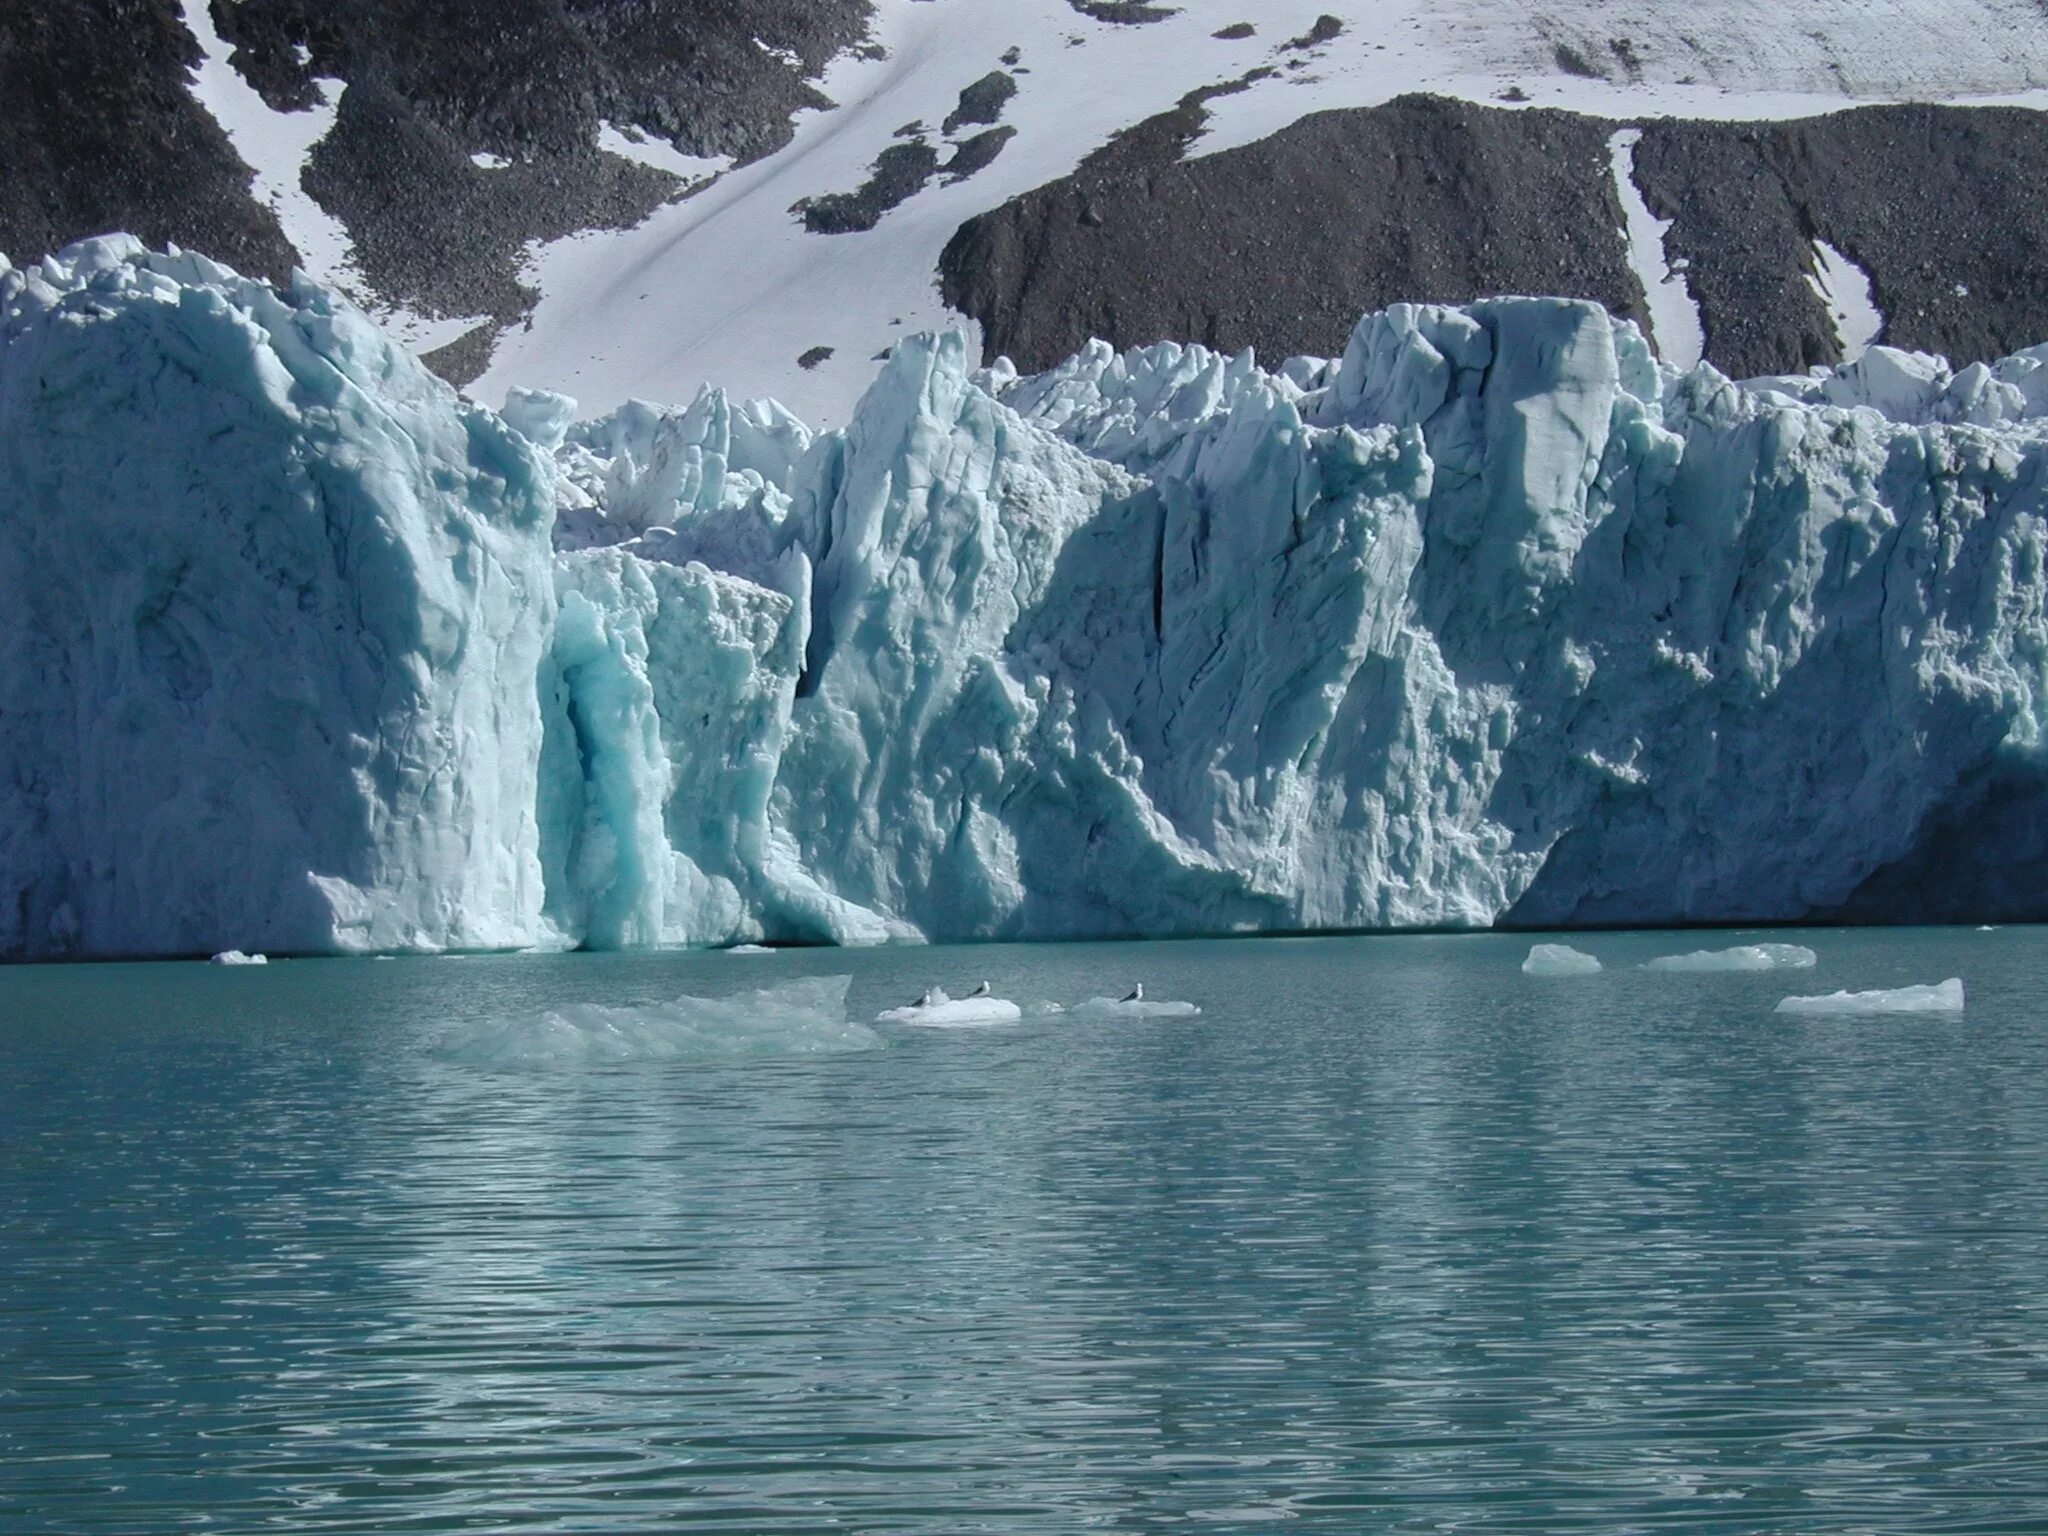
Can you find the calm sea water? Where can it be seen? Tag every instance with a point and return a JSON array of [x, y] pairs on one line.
[[1391, 1239]]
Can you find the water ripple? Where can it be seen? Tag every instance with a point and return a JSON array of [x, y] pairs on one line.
[[1392, 1238]]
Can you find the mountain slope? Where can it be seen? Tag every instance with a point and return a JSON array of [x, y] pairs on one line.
[[507, 182]]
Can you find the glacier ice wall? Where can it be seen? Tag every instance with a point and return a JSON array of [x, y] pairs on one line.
[[1493, 618], [273, 607]]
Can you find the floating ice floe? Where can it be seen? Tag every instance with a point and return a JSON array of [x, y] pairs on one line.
[[1743, 957], [798, 1018], [748, 949], [1132, 1008], [1945, 998], [236, 957], [1558, 960], [935, 1010]]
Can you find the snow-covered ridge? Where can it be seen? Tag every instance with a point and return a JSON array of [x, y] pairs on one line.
[[782, 292], [1492, 616]]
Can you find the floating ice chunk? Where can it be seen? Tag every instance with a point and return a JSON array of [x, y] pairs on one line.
[[1132, 1008], [1743, 957], [1558, 960], [798, 1018], [935, 1010], [1946, 998], [236, 957], [748, 949]]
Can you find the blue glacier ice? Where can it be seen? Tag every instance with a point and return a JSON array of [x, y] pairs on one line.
[[274, 601], [1492, 618]]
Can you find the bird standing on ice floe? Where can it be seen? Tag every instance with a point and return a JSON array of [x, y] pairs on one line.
[[924, 999], [981, 991], [1135, 995]]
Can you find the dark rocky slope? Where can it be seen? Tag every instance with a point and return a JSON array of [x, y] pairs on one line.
[[100, 133], [103, 133], [1282, 243]]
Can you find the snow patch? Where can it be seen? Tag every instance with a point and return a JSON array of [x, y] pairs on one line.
[[1844, 288], [1675, 326], [276, 147], [1947, 997], [647, 149]]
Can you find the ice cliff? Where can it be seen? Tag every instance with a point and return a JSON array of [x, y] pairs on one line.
[[272, 602], [1493, 618]]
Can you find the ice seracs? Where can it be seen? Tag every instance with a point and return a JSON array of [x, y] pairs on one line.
[[1487, 619]]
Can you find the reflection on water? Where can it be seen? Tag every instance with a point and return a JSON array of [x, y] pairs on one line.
[[1391, 1238]]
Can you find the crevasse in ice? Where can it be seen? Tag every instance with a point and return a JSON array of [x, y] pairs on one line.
[[1491, 617]]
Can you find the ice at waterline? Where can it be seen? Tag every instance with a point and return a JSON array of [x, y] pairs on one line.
[[1501, 612]]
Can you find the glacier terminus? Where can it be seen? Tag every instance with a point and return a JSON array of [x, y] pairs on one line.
[[1494, 619]]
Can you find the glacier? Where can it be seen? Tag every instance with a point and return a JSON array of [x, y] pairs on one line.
[[1493, 620]]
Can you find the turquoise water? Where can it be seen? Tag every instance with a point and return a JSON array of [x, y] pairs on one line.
[[1392, 1238]]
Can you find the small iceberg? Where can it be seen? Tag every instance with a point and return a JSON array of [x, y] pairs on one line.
[[748, 949], [236, 957], [1132, 1008], [935, 1010], [798, 1018], [1743, 957], [1558, 960], [1946, 998]]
